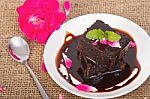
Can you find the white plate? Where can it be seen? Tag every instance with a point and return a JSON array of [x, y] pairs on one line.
[[78, 26]]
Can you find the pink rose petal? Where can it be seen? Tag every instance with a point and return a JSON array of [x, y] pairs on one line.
[[132, 44], [67, 7], [114, 44], [104, 41], [95, 42], [2, 88], [68, 61], [86, 88], [61, 96], [60, 17], [43, 66]]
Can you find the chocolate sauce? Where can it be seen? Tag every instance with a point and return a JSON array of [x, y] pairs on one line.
[[108, 80]]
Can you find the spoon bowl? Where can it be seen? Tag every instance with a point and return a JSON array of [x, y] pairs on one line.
[[19, 49]]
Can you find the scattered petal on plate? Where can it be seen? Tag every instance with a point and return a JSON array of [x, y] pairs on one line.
[[61, 96], [67, 6], [134, 72], [86, 88], [104, 41], [63, 70], [95, 42], [114, 44], [132, 44], [68, 61], [74, 80]]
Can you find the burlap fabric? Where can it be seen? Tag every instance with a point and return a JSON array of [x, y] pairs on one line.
[[15, 77]]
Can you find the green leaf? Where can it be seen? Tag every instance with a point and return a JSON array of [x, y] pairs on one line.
[[112, 36], [95, 34]]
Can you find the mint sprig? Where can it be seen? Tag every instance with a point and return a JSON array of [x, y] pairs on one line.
[[112, 36], [95, 34], [98, 34]]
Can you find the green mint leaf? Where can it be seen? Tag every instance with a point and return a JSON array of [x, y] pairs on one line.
[[112, 36], [95, 34], [92, 35]]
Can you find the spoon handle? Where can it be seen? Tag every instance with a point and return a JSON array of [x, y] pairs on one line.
[[39, 86]]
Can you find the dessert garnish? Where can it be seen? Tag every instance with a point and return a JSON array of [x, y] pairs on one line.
[[68, 61], [86, 88], [132, 44], [108, 37]]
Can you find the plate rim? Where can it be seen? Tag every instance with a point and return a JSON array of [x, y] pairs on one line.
[[61, 85]]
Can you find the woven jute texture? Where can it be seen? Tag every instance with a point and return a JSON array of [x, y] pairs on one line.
[[15, 77]]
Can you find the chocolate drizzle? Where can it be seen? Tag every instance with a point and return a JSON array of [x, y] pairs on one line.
[[103, 81]]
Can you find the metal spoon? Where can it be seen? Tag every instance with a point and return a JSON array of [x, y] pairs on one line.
[[19, 50]]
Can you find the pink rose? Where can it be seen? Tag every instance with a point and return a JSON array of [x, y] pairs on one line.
[[38, 19]]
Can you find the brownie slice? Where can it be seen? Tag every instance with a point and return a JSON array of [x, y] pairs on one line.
[[101, 59]]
